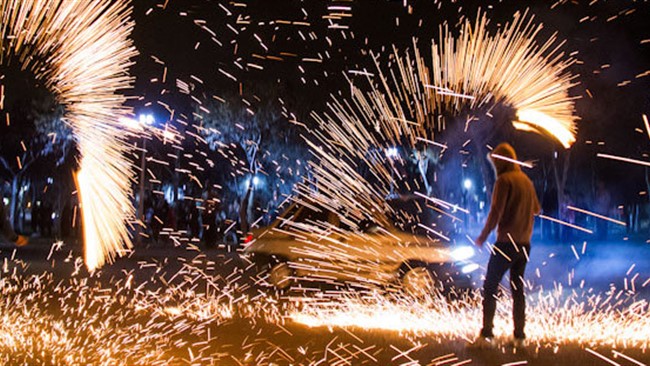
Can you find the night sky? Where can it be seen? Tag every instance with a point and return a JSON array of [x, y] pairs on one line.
[[224, 48]]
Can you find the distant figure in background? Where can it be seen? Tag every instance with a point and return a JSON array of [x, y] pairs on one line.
[[149, 213], [603, 202], [170, 216], [6, 228], [210, 228], [157, 223], [514, 205], [195, 223], [46, 220], [66, 221], [182, 215], [36, 217]]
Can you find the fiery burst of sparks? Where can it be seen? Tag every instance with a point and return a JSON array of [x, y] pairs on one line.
[[508, 67], [472, 73], [187, 316], [408, 103], [554, 317], [82, 51], [478, 70]]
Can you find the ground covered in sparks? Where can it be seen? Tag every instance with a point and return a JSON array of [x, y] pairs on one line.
[[174, 306]]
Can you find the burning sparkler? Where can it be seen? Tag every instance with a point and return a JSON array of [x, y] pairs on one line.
[[462, 318], [82, 51], [406, 104]]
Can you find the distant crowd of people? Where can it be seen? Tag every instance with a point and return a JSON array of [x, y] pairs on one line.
[[42, 219], [210, 223]]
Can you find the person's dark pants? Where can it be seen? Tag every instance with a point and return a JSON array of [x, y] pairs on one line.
[[506, 256]]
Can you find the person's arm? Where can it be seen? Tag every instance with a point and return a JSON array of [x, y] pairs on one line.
[[499, 198]]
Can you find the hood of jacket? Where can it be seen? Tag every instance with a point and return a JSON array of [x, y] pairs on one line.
[[500, 165]]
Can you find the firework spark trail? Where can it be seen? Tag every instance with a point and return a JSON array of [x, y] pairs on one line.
[[490, 69], [119, 322], [82, 52], [624, 159], [155, 319], [586, 212], [476, 71], [568, 224], [554, 317]]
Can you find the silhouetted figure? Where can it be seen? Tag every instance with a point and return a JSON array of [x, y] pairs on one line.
[[195, 223], [514, 204], [170, 216], [157, 223], [46, 220], [210, 228], [182, 215], [66, 220], [36, 217]]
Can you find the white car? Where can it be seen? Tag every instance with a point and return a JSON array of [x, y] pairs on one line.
[[310, 243]]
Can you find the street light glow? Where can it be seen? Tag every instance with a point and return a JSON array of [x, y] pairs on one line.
[[467, 183], [168, 135], [130, 123], [146, 119]]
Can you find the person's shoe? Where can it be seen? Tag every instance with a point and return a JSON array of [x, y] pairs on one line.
[[22, 241], [518, 342], [482, 343]]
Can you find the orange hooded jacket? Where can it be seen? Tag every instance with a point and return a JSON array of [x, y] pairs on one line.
[[514, 200]]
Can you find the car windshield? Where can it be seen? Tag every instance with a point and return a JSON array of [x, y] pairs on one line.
[[309, 215], [304, 215]]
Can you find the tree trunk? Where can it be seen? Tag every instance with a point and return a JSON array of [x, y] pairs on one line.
[[243, 208], [560, 180], [246, 202], [176, 177], [423, 168], [14, 200], [647, 182]]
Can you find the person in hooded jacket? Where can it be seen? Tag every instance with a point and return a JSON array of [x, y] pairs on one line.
[[514, 205]]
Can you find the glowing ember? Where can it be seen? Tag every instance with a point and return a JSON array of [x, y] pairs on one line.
[[546, 124]]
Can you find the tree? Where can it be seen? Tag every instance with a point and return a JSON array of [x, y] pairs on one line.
[[262, 145], [35, 136]]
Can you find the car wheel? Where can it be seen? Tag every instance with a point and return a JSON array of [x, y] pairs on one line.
[[418, 281], [281, 275]]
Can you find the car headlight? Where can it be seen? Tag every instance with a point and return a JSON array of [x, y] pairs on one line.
[[462, 253], [470, 268]]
